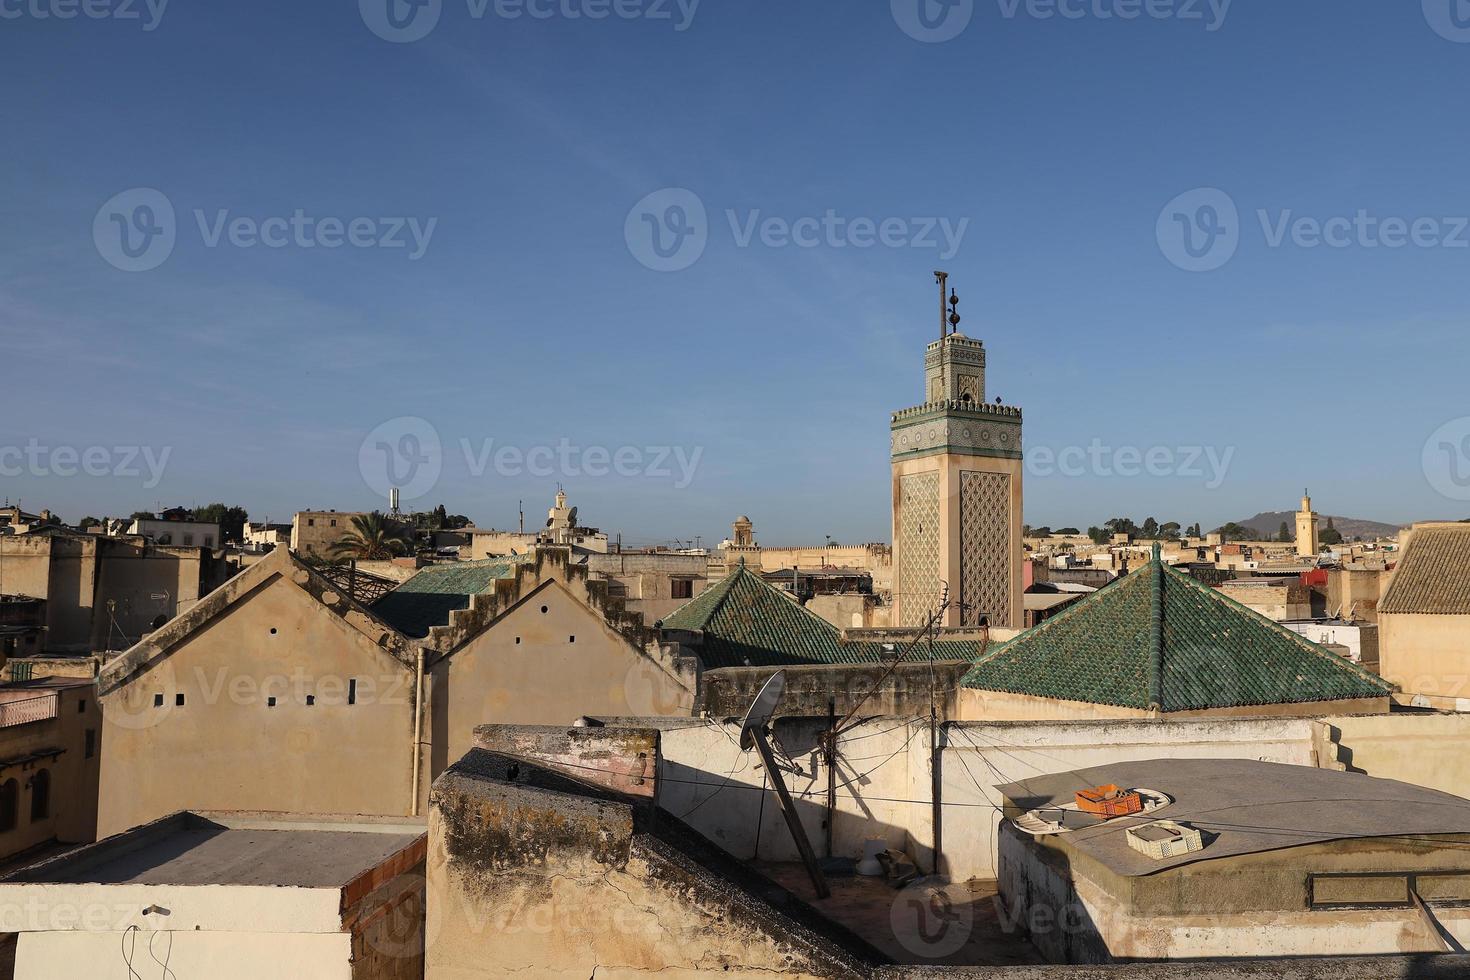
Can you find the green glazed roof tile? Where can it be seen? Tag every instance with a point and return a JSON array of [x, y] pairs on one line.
[[1208, 652]]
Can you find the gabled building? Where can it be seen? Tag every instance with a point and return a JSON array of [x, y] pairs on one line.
[[1158, 643], [279, 692], [1424, 618]]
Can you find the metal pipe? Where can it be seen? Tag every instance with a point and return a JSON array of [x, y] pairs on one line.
[[418, 730]]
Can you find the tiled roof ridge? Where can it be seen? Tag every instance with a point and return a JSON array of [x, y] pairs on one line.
[[1071, 612], [1291, 636]]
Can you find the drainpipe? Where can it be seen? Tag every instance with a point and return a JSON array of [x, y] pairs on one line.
[[418, 730]]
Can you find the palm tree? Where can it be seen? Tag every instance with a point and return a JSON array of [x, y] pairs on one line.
[[372, 537]]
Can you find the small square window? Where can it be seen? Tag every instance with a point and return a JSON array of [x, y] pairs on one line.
[[311, 522], [179, 700], [310, 700], [82, 706], [681, 588], [571, 639], [158, 700], [270, 702], [91, 748]]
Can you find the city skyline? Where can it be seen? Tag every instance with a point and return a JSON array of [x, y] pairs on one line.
[[499, 284]]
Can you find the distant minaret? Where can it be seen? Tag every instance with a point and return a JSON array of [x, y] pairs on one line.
[[1306, 528], [956, 464]]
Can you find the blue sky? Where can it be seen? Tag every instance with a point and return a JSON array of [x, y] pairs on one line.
[[522, 146]]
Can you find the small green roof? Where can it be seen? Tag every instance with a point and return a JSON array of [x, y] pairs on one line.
[[748, 622], [1158, 638], [428, 598]]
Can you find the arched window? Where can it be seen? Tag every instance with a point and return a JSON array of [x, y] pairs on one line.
[[9, 805], [40, 795]]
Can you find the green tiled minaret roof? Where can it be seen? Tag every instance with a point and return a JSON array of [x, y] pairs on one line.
[[1159, 639], [747, 622]]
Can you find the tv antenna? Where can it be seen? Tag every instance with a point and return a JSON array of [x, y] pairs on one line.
[[753, 735]]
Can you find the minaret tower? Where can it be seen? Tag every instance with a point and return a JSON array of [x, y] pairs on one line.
[[956, 489], [1307, 542]]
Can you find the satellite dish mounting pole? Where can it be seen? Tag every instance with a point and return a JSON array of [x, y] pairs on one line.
[[753, 735]]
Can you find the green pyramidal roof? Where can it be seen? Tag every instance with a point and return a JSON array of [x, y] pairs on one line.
[[427, 599], [1159, 638], [747, 622]]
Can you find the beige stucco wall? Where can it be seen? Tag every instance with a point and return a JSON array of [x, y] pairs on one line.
[[1426, 654], [313, 532], [527, 669], [225, 748], [1423, 749], [72, 815], [76, 955], [79, 577]]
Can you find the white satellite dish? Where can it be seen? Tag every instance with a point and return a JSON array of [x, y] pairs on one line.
[[762, 709]]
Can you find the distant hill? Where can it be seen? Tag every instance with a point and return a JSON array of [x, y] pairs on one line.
[[1269, 523]]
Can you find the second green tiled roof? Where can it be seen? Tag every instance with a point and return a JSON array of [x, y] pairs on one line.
[[428, 598], [1206, 651], [747, 622]]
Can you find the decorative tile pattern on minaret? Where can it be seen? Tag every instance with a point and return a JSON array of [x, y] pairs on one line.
[[956, 490]]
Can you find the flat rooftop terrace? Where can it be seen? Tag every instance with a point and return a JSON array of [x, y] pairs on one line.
[[222, 849]]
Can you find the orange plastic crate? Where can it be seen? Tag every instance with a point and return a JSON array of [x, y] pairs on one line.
[[1109, 801]]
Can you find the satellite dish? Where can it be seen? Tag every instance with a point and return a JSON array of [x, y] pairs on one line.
[[761, 710], [572, 517]]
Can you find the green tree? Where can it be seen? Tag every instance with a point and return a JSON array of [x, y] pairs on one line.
[[1099, 535], [1072, 531], [1150, 528], [372, 537], [1285, 533], [230, 519], [1330, 534]]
